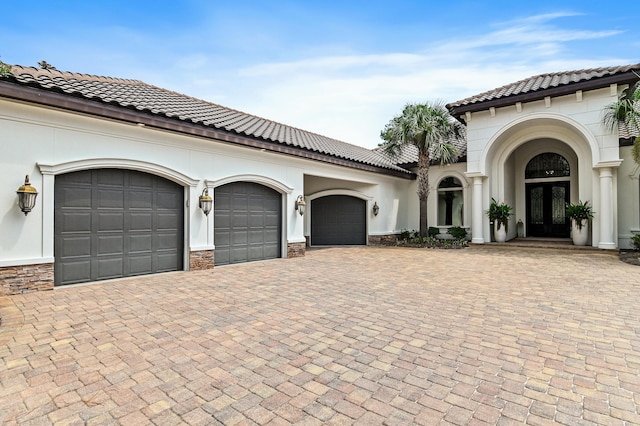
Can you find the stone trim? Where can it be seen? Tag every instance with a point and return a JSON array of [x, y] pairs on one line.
[[383, 240], [296, 249], [201, 259], [26, 278]]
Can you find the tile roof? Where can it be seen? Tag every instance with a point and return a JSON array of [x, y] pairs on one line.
[[538, 86], [149, 99]]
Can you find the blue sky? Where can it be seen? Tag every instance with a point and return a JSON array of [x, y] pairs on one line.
[[339, 68]]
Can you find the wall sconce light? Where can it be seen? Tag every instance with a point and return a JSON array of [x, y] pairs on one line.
[[206, 202], [26, 196], [300, 204], [376, 209]]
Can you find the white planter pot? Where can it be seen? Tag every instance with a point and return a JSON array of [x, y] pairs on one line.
[[580, 236], [500, 233]]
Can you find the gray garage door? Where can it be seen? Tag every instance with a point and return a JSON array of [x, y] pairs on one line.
[[338, 220], [247, 222], [116, 223]]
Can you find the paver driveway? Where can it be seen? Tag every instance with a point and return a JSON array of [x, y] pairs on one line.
[[367, 335]]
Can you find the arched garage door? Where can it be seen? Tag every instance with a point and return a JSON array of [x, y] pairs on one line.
[[338, 220], [247, 221], [112, 223]]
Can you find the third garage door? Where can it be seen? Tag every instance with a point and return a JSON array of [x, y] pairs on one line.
[[338, 220], [247, 221]]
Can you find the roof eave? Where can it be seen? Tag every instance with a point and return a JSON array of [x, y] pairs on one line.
[[79, 104], [628, 77]]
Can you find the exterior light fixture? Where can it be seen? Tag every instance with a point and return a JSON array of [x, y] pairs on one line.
[[26, 196], [376, 209], [206, 202], [300, 204]]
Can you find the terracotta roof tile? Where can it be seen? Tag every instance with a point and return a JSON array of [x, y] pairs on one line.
[[542, 82], [154, 100]]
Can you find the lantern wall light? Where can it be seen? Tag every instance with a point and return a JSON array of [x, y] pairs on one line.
[[300, 204], [27, 196], [376, 209], [205, 201]]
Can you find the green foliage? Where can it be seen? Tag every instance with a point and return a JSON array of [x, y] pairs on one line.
[[5, 69], [458, 233], [500, 213], [635, 150], [579, 212], [635, 240], [433, 231], [404, 235], [432, 130]]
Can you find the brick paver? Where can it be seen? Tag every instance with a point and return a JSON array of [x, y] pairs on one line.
[[356, 335]]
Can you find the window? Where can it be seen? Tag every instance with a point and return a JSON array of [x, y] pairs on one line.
[[547, 165], [450, 202]]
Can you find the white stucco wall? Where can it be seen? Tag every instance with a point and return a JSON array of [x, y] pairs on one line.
[[32, 136], [501, 141]]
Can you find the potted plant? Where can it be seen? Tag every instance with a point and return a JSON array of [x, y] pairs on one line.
[[499, 214], [579, 214]]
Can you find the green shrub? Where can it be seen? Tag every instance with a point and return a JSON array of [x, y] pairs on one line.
[[458, 233], [5, 69], [404, 235], [635, 240], [433, 231]]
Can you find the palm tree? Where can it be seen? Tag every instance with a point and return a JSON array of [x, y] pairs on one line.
[[626, 112], [430, 129]]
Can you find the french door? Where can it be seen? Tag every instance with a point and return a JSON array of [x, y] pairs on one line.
[[546, 203]]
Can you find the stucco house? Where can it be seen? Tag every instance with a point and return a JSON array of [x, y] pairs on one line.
[[121, 168]]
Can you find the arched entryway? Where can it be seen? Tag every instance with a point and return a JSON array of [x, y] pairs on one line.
[[547, 191]]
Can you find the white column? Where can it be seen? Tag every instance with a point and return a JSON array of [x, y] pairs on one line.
[[606, 209], [476, 221]]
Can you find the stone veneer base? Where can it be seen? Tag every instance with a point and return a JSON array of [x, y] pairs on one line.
[[201, 260], [26, 278], [296, 249], [384, 240]]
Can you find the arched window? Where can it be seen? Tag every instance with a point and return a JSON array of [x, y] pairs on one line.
[[450, 202], [547, 165]]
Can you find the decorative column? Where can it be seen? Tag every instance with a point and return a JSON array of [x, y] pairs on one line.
[[606, 209], [476, 221]]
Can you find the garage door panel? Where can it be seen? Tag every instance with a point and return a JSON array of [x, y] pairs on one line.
[[222, 239], [338, 220], [113, 244], [256, 236], [256, 221], [142, 200], [166, 241], [110, 199], [74, 271], [112, 223], [76, 222], [240, 237], [76, 197], [140, 221], [109, 267], [144, 180], [75, 246], [166, 221], [166, 261], [110, 177], [247, 223], [140, 243], [168, 201], [240, 255], [140, 264]]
